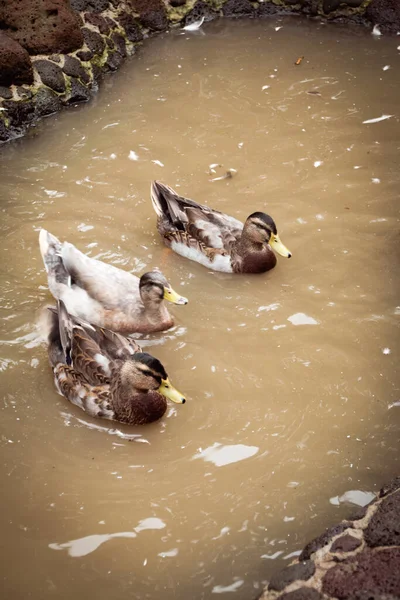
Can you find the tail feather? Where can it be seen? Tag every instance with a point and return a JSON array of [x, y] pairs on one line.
[[55, 349], [168, 205], [57, 274]]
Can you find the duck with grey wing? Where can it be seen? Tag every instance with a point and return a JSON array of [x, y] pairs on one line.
[[105, 295], [214, 239], [106, 374]]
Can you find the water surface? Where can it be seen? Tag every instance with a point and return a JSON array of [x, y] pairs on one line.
[[291, 376]]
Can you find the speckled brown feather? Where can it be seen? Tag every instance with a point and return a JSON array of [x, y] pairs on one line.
[[89, 375], [210, 232]]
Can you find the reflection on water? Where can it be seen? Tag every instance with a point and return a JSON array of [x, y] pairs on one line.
[[291, 377]]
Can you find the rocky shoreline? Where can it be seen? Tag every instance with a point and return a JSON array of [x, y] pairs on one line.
[[358, 559], [53, 53]]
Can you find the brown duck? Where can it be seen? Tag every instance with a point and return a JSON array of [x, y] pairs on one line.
[[106, 374], [214, 239]]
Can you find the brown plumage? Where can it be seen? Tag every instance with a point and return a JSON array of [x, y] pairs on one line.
[[214, 239], [106, 374]]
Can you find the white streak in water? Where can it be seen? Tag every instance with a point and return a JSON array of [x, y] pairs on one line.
[[378, 119]]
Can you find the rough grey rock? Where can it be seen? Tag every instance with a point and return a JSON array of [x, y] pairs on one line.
[[47, 103], [320, 541], [151, 13], [114, 60], [238, 8], [73, 67], [51, 75], [5, 92], [85, 55], [94, 41], [385, 13], [131, 27], [78, 93], [303, 593], [20, 114], [119, 43], [302, 570], [200, 10]]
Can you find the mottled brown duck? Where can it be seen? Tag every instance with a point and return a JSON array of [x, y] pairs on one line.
[[214, 239], [104, 373]]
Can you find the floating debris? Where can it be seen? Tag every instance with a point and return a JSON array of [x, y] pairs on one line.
[[386, 68], [318, 163], [298, 61], [133, 156], [158, 162], [302, 319], [195, 26], [378, 119], [376, 31], [314, 92], [265, 87]]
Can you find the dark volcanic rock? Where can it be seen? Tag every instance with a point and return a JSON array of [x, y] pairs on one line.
[[78, 93], [373, 571], [373, 596], [24, 93], [119, 43], [114, 60], [41, 26], [238, 8], [20, 113], [73, 67], [199, 10], [385, 13], [302, 570], [346, 543], [329, 6], [321, 540], [47, 102], [94, 41], [5, 92], [131, 27], [384, 526], [98, 21], [177, 2], [152, 13], [392, 486], [304, 593], [267, 9], [5, 133], [15, 64], [84, 55], [96, 6], [51, 75]]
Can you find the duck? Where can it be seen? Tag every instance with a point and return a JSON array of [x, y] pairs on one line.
[[214, 239], [105, 295], [105, 373]]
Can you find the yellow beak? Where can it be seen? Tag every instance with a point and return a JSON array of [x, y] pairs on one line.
[[172, 296], [277, 245], [168, 390]]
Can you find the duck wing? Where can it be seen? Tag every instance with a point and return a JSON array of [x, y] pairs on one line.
[[111, 287], [187, 221]]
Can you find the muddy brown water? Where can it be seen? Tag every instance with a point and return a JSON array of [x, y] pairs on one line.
[[291, 376]]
